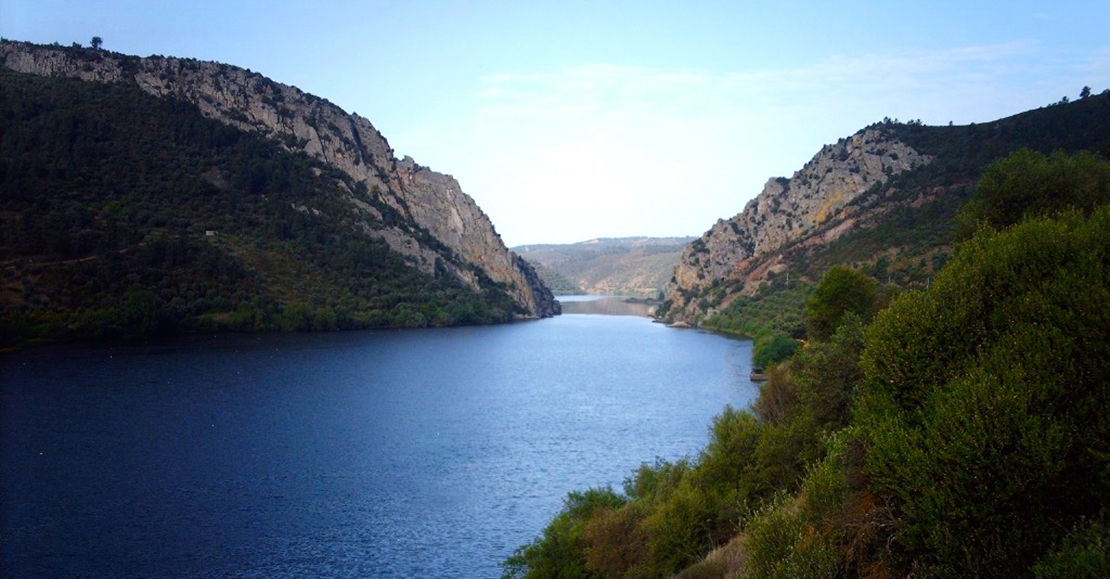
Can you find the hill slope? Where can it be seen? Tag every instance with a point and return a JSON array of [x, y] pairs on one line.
[[630, 266], [107, 155], [883, 200]]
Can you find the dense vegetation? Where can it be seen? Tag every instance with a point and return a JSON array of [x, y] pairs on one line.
[[962, 431], [124, 214]]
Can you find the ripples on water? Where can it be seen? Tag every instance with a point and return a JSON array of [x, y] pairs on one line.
[[374, 454]]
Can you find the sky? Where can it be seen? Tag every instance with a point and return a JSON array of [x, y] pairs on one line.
[[567, 121]]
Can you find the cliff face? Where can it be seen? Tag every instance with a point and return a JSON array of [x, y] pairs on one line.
[[463, 238], [812, 207]]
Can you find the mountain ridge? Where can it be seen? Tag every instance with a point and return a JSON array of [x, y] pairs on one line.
[[625, 266], [350, 143], [883, 199]]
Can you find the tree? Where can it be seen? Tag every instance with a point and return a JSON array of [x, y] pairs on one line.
[[841, 291], [1028, 183], [1086, 92], [96, 42]]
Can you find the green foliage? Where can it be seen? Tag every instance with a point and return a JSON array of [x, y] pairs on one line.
[[107, 197], [777, 308], [561, 551], [655, 482], [1028, 183], [802, 536], [841, 292], [1084, 554], [986, 399], [771, 348]]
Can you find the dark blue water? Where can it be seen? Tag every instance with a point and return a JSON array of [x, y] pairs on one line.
[[375, 454]]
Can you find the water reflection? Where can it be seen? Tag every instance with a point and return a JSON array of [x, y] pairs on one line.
[[605, 305]]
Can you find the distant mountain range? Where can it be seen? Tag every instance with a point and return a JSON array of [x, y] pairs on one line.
[[144, 195], [882, 201], [628, 266]]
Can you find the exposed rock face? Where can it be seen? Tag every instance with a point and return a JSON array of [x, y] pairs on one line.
[[810, 207], [427, 200]]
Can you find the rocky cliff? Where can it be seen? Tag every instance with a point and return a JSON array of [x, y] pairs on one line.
[[812, 207], [441, 224]]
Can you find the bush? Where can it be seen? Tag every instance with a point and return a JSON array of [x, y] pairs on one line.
[[561, 551], [772, 348], [1085, 554], [616, 541], [1028, 183], [802, 536], [841, 291], [986, 398]]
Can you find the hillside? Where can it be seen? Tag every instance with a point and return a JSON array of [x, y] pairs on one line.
[[629, 266], [883, 200], [162, 194]]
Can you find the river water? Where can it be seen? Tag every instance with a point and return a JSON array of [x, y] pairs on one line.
[[423, 453]]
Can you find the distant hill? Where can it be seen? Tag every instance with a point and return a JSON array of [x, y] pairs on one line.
[[883, 201], [627, 266], [154, 195]]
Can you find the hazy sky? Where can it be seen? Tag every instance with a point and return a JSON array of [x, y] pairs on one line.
[[571, 120]]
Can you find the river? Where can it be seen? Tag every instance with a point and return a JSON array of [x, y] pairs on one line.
[[422, 453]]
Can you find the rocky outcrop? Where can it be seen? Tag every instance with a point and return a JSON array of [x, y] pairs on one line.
[[440, 223], [812, 207]]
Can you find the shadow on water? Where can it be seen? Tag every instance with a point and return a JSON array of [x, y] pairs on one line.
[[604, 305]]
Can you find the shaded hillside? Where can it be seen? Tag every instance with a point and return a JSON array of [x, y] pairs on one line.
[[883, 201], [432, 225], [559, 284], [126, 214], [630, 266]]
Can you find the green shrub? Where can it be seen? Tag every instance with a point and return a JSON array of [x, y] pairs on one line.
[[1028, 183], [773, 347], [1084, 554], [561, 551], [705, 508], [821, 531], [841, 291], [987, 398], [654, 482], [617, 541]]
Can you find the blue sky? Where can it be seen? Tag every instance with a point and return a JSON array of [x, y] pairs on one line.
[[572, 120]]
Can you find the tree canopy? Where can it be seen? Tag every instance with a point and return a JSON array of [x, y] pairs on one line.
[[986, 403], [841, 291], [1028, 183]]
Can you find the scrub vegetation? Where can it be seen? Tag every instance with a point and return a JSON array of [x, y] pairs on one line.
[[957, 430]]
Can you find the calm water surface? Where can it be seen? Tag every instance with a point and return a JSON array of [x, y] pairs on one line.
[[371, 454]]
